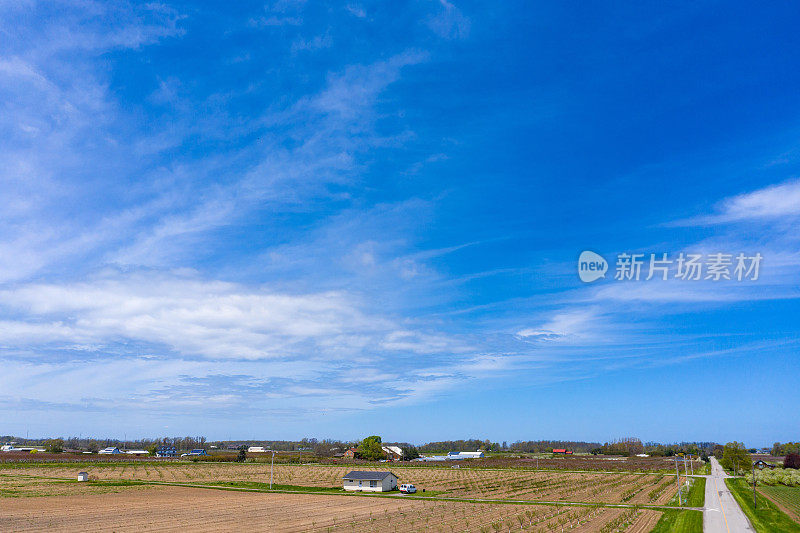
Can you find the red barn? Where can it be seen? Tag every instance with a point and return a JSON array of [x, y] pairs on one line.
[[562, 450]]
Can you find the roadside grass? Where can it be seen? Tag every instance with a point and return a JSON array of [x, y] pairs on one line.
[[697, 493], [675, 521], [767, 518], [696, 496]]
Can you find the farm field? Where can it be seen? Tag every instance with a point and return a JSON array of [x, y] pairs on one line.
[[504, 484], [787, 498], [598, 463], [585, 462], [177, 508]]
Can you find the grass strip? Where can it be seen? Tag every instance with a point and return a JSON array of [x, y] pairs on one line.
[[767, 518], [674, 521], [697, 493]]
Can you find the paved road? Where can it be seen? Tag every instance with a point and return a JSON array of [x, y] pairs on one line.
[[722, 514]]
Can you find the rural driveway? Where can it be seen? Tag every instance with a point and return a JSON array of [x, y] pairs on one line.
[[722, 514]]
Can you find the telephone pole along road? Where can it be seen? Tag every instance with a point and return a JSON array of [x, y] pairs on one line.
[[722, 514]]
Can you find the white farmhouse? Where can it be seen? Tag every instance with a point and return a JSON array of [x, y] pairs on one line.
[[256, 449], [367, 481]]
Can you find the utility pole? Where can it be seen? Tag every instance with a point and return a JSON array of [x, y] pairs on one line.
[[271, 466], [755, 502], [686, 470], [678, 481]]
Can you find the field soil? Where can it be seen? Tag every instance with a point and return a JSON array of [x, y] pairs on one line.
[[178, 508], [163, 508]]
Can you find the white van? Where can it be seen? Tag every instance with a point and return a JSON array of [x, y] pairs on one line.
[[408, 488]]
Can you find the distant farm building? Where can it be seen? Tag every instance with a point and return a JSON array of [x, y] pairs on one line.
[[137, 452], [83, 476], [433, 458], [367, 481], [393, 453], [562, 451], [256, 449], [111, 450], [457, 456], [30, 449], [196, 452], [166, 451]]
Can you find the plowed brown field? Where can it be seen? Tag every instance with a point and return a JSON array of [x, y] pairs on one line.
[[188, 509]]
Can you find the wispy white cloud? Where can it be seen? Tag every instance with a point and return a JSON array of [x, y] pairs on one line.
[[186, 316], [769, 203]]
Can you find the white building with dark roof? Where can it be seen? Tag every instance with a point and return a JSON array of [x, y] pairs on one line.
[[369, 481], [111, 450]]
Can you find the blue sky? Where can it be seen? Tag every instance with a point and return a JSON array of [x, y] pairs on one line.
[[250, 220]]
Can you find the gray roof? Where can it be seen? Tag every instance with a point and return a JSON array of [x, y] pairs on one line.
[[367, 475]]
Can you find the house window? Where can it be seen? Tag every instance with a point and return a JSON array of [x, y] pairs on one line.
[[373, 483]]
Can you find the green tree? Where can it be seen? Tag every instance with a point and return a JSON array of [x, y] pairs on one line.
[[55, 445], [370, 448], [242, 457], [410, 452], [735, 457]]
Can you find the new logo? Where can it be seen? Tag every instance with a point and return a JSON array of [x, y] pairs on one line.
[[591, 266]]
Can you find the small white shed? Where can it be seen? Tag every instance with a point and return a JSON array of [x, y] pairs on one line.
[[83, 476], [369, 481]]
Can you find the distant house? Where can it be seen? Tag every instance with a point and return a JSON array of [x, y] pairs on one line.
[[368, 481], [393, 453], [352, 453], [256, 449], [562, 451], [83, 476], [111, 450], [166, 451]]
